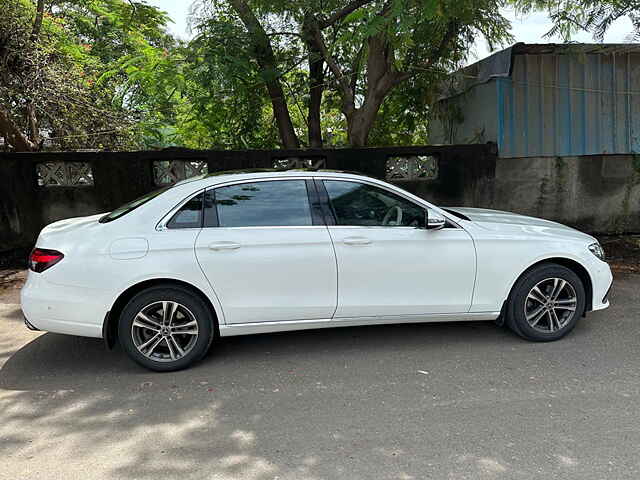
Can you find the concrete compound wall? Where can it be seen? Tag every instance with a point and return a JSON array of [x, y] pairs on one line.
[[598, 194], [119, 177]]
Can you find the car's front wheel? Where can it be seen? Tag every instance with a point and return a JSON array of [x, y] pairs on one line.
[[546, 303], [166, 328]]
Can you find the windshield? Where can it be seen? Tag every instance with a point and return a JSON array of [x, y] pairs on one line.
[[127, 207]]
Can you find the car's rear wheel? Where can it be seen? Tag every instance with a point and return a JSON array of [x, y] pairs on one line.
[[546, 303], [166, 328]]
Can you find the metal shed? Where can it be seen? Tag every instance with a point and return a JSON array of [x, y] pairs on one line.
[[537, 100]]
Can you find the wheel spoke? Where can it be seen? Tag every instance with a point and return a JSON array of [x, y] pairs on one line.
[[571, 308], [147, 326], [189, 328], [552, 327], [558, 286], [142, 318], [554, 317], [537, 295], [535, 313], [154, 341], [533, 321], [568, 301], [193, 331], [172, 352], [190, 324], [168, 312], [148, 342], [174, 348], [553, 289]]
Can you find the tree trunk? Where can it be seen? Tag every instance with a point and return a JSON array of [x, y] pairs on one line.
[[266, 60], [34, 129], [37, 24], [18, 140], [381, 77], [361, 121], [316, 88]]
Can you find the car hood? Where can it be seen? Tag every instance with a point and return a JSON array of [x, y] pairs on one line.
[[496, 220]]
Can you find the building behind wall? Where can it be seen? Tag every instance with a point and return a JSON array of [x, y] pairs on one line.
[[566, 120]]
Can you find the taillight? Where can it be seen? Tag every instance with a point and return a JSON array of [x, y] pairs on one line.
[[41, 259]]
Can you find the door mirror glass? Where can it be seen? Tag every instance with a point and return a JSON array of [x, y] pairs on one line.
[[434, 220]]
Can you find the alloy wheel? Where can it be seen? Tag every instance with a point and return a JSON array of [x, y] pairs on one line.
[[164, 331], [550, 305]]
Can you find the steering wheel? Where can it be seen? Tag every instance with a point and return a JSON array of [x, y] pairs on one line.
[[387, 216]]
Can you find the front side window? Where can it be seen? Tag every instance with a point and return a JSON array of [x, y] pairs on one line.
[[365, 205], [263, 204]]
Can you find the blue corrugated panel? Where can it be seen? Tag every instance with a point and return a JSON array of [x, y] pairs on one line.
[[569, 104]]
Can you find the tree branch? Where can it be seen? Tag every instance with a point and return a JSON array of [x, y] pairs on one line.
[[355, 68], [315, 37], [275, 34], [450, 34], [453, 28], [340, 14]]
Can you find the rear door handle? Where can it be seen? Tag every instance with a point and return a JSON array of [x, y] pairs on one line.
[[224, 246], [356, 241]]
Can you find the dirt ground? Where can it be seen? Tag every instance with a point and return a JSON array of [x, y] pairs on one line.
[[11, 282], [623, 252]]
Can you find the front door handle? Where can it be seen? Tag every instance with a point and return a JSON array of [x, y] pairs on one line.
[[217, 246], [356, 241]]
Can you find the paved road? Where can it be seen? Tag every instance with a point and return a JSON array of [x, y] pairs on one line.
[[447, 401]]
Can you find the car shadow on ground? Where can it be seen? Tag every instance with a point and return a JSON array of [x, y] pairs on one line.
[[55, 356]]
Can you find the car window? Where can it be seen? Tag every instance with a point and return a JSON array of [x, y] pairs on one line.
[[360, 204], [189, 215], [128, 207], [272, 203]]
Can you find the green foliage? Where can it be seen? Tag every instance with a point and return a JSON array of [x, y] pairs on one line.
[[69, 85], [106, 74], [426, 40], [596, 16]]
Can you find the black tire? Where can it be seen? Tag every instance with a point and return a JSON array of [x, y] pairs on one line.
[[555, 320], [165, 356]]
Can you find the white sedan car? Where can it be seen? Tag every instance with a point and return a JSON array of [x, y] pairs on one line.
[[266, 251]]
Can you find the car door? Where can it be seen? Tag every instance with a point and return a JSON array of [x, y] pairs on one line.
[[388, 263], [267, 253]]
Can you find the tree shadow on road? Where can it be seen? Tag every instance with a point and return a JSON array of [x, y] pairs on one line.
[[289, 405]]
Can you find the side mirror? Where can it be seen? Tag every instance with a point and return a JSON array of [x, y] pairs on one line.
[[433, 220]]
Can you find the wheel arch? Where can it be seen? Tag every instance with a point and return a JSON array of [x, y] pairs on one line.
[[110, 325], [573, 265]]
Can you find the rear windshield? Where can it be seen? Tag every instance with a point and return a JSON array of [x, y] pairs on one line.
[[127, 207]]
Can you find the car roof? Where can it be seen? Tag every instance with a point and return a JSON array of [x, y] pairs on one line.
[[215, 178]]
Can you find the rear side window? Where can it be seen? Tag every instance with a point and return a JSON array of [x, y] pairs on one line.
[[262, 204], [189, 215], [128, 207]]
